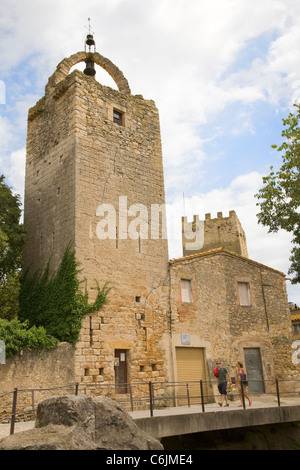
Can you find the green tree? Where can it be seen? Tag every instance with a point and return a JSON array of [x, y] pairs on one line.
[[17, 336], [12, 239], [279, 199]]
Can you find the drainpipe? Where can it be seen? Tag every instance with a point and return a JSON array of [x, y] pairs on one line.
[[264, 299]]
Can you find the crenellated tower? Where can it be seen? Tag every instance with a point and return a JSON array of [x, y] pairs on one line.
[[203, 235]]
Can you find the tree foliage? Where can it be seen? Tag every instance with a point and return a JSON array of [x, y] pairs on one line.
[[17, 336], [49, 306], [12, 238], [9, 296], [12, 233], [56, 301], [279, 199]]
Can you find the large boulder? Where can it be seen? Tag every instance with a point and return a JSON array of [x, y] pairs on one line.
[[72, 422], [115, 429], [51, 437]]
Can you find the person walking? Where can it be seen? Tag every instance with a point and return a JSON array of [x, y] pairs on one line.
[[223, 376], [241, 381]]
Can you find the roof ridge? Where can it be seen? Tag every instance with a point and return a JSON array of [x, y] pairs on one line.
[[222, 250]]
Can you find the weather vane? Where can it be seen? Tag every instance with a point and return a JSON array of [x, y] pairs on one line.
[[89, 27], [89, 38], [89, 41]]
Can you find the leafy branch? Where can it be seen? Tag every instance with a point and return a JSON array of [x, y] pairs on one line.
[[56, 301]]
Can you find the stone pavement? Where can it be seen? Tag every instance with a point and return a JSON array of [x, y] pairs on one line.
[[261, 401], [5, 428]]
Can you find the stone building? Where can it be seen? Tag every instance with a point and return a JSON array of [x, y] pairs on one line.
[[94, 178], [231, 308], [203, 235]]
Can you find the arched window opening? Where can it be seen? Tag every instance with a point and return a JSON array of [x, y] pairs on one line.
[[101, 76]]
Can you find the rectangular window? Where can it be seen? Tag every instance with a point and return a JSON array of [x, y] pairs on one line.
[[244, 293], [186, 291], [118, 117], [296, 327]]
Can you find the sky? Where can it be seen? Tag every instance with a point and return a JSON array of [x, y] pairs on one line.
[[223, 75]]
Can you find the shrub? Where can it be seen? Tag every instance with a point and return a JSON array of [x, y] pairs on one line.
[[55, 300], [17, 336]]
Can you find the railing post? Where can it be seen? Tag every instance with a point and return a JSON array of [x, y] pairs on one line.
[[32, 404], [243, 396], [76, 388], [131, 397], [202, 395], [188, 395], [13, 411], [151, 398], [277, 391]]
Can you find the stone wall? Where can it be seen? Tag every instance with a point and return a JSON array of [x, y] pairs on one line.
[[217, 322], [32, 370], [199, 236], [49, 206], [81, 165]]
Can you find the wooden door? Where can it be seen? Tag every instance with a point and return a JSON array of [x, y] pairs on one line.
[[121, 370]]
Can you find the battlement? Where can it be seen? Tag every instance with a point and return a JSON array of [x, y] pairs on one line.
[[203, 235], [220, 215]]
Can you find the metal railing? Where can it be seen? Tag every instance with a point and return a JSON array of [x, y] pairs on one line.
[[148, 395]]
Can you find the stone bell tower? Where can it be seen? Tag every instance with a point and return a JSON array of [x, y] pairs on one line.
[[94, 178]]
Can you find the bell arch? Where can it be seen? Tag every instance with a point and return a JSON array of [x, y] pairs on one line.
[[66, 64]]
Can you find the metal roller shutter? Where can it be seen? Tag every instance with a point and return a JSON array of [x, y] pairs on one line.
[[190, 370]]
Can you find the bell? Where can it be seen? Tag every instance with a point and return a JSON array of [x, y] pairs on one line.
[[89, 70], [90, 40]]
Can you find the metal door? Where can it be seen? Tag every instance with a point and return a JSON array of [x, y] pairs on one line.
[[190, 370], [254, 370], [120, 370]]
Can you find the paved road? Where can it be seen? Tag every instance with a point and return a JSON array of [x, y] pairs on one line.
[[258, 402], [5, 428]]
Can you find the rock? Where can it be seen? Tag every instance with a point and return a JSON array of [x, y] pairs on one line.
[[67, 410], [72, 422], [51, 437], [115, 429]]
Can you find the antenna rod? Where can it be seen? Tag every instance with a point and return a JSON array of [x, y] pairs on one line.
[[89, 38]]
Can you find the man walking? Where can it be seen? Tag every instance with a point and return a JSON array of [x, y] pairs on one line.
[[222, 376]]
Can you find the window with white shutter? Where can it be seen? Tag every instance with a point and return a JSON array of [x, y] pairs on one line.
[[186, 291], [244, 293]]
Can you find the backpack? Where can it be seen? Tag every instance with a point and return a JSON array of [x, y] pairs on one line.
[[216, 372]]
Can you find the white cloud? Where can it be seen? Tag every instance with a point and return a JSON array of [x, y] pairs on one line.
[[17, 171], [6, 134], [185, 56], [13, 168], [270, 249], [238, 196]]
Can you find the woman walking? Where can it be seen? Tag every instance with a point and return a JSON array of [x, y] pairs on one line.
[[241, 381]]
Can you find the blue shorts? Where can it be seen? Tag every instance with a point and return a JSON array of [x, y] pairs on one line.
[[223, 388]]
